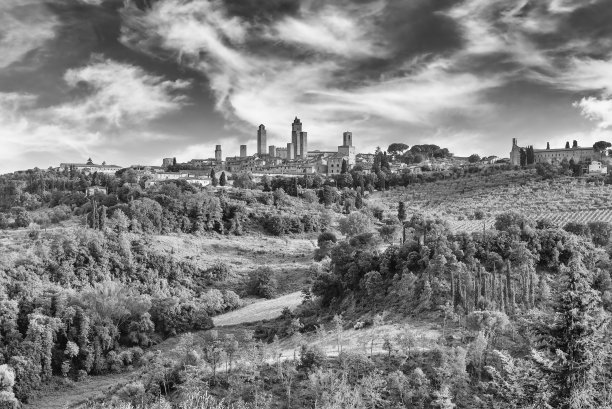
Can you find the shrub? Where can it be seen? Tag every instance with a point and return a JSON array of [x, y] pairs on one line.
[[311, 357], [262, 283], [326, 236], [354, 224], [218, 272], [579, 229]]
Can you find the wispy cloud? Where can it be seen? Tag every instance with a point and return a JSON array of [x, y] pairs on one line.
[[111, 99], [25, 25], [117, 93], [271, 83]]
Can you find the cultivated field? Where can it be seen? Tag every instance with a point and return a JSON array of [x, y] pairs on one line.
[[559, 200]]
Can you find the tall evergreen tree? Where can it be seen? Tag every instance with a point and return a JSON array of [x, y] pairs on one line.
[[344, 168], [222, 179], [401, 211], [102, 223], [571, 345]]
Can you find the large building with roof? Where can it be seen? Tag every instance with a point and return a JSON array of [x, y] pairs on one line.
[[575, 153], [90, 167]]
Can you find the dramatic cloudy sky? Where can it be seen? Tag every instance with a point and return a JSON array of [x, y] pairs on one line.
[[133, 81]]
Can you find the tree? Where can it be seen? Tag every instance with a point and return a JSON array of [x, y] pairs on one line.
[[262, 283], [22, 218], [601, 147], [571, 343], [355, 223], [7, 381], [401, 211], [344, 168], [474, 158], [397, 148], [222, 179]]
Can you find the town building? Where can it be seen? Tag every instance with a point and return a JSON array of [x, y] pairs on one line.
[[243, 151], [575, 153], [90, 167], [347, 149], [167, 162], [93, 190], [281, 153]]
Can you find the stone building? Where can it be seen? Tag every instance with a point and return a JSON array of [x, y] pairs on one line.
[[555, 155], [90, 167]]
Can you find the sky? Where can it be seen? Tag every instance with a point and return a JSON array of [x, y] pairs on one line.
[[134, 81]]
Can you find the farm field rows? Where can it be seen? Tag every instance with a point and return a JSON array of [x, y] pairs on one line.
[[560, 200]]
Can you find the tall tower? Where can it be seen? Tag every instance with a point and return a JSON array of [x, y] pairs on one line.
[[261, 140], [290, 151], [272, 151], [347, 149], [296, 130], [347, 139], [303, 145], [218, 156], [243, 151]]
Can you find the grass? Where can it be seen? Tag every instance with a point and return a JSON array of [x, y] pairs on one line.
[[260, 310], [289, 258]]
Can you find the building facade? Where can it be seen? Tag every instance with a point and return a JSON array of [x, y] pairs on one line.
[[574, 153], [90, 167]]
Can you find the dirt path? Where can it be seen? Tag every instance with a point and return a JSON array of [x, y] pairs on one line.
[[98, 386]]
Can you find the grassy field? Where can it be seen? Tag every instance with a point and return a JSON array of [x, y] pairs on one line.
[[259, 310], [289, 258]]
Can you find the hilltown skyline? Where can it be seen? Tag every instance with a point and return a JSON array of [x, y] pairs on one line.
[[136, 82]]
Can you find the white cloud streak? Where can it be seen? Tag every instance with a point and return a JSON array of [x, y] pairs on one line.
[[119, 93]]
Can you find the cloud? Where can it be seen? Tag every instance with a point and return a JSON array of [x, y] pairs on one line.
[[595, 109], [25, 25], [110, 101], [303, 65], [331, 30], [118, 93]]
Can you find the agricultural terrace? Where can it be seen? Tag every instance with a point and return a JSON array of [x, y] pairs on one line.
[[468, 203]]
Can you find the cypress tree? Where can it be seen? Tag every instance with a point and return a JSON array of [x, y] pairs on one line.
[[102, 223], [401, 211], [222, 179], [572, 342], [344, 168], [358, 201]]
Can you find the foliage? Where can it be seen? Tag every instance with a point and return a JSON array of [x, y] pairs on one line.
[[262, 283]]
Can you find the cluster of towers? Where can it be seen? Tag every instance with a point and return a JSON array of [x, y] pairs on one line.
[[296, 149]]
